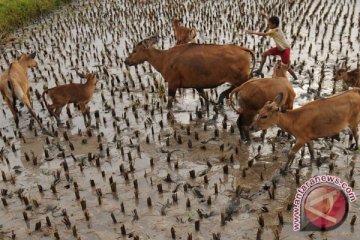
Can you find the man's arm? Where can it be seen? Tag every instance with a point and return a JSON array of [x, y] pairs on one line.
[[264, 15], [256, 33]]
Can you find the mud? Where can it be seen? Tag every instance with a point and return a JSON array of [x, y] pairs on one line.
[[135, 137]]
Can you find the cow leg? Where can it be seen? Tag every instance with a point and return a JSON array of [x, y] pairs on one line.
[[14, 105], [57, 114], [354, 130], [263, 133], [247, 133], [239, 123], [293, 151], [225, 94], [88, 115], [291, 71], [85, 113], [28, 105], [13, 111], [28, 95], [172, 93], [311, 149], [202, 94]]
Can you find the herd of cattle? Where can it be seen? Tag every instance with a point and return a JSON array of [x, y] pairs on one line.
[[262, 102]]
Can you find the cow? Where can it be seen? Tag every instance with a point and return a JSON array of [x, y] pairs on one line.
[[198, 66], [79, 93], [352, 78], [324, 117], [183, 34], [14, 85], [253, 94]]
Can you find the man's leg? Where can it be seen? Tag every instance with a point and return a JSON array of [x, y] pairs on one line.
[[285, 58], [271, 51], [291, 71]]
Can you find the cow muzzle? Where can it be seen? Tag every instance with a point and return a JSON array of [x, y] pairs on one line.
[[129, 63]]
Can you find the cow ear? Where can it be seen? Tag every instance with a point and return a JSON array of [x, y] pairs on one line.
[[343, 65], [144, 44], [278, 98], [33, 55], [154, 39], [82, 75]]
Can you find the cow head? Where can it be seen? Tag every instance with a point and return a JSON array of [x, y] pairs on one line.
[[268, 114], [90, 77], [280, 69], [28, 60], [139, 53], [176, 22], [341, 74]]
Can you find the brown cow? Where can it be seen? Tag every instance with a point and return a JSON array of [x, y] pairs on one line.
[[320, 118], [14, 85], [253, 94], [196, 66], [72, 93], [352, 78], [183, 34]]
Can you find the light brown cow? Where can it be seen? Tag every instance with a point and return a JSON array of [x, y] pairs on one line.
[[196, 66], [14, 85], [72, 93], [253, 94], [352, 78], [183, 34], [320, 118]]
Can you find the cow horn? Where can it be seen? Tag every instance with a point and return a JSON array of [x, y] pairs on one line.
[[343, 65], [82, 75], [154, 39]]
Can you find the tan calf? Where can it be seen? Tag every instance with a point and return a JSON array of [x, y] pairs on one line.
[[77, 93]]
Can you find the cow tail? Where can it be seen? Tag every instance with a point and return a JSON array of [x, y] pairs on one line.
[[253, 60], [11, 85], [46, 104], [235, 91]]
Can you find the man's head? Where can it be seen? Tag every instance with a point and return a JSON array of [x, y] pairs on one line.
[[274, 22]]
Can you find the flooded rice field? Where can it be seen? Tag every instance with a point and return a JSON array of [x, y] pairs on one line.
[[141, 171]]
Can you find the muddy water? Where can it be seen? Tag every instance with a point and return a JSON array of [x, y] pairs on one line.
[[134, 129]]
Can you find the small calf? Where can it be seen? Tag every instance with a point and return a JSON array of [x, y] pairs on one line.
[[183, 34], [79, 93], [352, 78], [317, 119]]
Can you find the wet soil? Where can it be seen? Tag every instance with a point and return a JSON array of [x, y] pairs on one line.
[[136, 146]]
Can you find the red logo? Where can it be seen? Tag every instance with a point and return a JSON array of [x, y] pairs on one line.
[[325, 207]]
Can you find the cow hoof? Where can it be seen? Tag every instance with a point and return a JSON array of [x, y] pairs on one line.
[[284, 170], [46, 132], [353, 147]]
